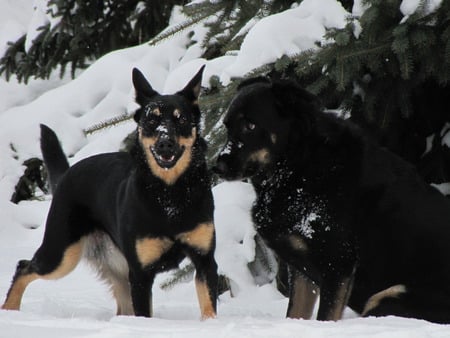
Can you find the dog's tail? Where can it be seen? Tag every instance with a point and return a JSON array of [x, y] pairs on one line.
[[54, 158]]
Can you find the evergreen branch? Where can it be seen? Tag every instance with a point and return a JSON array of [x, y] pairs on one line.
[[180, 275], [193, 20], [107, 123], [385, 46]]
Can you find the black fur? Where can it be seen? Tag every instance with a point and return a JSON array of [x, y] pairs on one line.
[[54, 157], [130, 207], [351, 217]]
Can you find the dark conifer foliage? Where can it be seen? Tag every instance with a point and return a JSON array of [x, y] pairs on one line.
[[86, 30], [391, 73]]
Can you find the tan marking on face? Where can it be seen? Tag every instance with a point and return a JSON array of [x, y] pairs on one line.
[[304, 294], [69, 261], [156, 111], [176, 113], [204, 299], [261, 156], [169, 176], [149, 250], [392, 292], [273, 138], [201, 238], [297, 243]]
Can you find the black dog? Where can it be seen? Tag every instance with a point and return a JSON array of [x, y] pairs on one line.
[[349, 217], [135, 214]]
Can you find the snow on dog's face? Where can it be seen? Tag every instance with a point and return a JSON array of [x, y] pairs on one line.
[[264, 121], [167, 126]]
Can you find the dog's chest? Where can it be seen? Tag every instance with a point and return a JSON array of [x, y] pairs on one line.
[[285, 206], [172, 205]]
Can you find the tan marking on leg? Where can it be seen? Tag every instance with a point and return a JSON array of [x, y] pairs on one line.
[[304, 294], [200, 238], [341, 300], [169, 176], [70, 260], [204, 299], [374, 301], [149, 250], [16, 291]]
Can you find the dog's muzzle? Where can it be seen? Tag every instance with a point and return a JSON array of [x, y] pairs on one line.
[[166, 152]]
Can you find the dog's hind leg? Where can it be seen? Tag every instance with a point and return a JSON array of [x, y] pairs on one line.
[[106, 259], [429, 302], [41, 268], [122, 294]]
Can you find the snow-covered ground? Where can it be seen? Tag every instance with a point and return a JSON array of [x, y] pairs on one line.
[[79, 305]]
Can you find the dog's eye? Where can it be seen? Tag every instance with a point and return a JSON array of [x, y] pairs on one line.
[[250, 126], [151, 121]]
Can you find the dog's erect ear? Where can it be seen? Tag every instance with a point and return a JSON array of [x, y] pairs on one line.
[[144, 90], [192, 89], [296, 103]]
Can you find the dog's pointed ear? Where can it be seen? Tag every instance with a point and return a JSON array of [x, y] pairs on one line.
[[143, 90], [192, 89], [142, 87]]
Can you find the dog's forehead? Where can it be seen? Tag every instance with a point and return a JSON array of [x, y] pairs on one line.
[[250, 103], [166, 104]]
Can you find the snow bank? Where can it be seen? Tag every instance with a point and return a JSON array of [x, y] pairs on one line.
[[286, 33]]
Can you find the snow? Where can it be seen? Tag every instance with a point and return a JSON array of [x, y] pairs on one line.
[[409, 7], [286, 33], [81, 306]]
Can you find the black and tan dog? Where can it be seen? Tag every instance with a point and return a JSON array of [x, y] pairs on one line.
[[348, 217], [135, 214]]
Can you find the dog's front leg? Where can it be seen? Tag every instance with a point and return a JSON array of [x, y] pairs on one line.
[[206, 282], [302, 295], [335, 291], [141, 292], [199, 246]]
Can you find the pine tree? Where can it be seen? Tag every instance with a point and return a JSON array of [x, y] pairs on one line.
[[393, 79], [400, 68], [85, 31]]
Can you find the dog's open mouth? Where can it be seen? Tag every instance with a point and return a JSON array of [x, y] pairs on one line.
[[167, 160]]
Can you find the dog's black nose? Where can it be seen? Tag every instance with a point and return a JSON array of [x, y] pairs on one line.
[[165, 146]]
